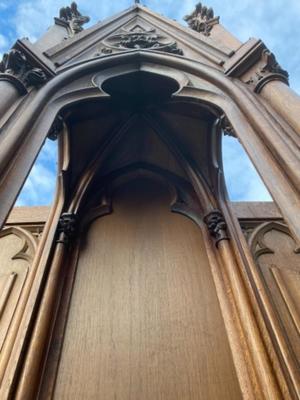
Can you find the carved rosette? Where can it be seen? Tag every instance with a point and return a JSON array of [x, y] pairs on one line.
[[202, 19], [73, 18], [270, 70], [66, 227], [216, 226], [16, 67], [139, 38]]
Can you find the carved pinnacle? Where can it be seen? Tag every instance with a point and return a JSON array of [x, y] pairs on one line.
[[73, 17], [202, 19]]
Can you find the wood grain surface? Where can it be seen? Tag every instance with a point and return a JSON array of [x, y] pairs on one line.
[[144, 321]]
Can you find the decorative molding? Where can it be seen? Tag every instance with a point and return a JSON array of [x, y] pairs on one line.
[[216, 225], [56, 128], [269, 71], [202, 19], [257, 238], [139, 38], [66, 227], [28, 243], [15, 65], [73, 18]]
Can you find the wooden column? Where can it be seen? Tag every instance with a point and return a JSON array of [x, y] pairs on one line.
[[285, 101], [9, 94], [30, 378], [264, 382], [17, 75]]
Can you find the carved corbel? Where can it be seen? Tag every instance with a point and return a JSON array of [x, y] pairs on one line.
[[16, 68], [202, 19], [226, 127], [56, 128], [66, 228], [72, 18], [216, 226]]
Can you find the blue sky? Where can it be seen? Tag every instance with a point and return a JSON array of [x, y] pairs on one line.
[[276, 22]]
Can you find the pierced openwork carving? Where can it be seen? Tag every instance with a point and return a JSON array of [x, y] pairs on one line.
[[73, 18], [216, 225], [16, 65], [270, 70], [202, 19], [139, 38]]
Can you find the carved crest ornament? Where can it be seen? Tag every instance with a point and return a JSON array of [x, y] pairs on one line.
[[139, 38], [73, 18], [202, 19]]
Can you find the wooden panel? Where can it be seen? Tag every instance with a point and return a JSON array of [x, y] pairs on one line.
[[278, 259], [144, 321], [13, 273]]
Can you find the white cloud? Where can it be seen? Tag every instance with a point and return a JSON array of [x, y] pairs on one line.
[[3, 42], [242, 180], [40, 184]]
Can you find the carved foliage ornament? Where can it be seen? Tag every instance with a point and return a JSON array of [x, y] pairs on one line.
[[139, 38], [216, 225], [202, 19], [66, 227], [15, 63], [73, 18], [269, 70]]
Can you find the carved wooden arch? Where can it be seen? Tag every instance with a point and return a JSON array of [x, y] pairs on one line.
[[184, 199], [230, 97], [256, 242], [259, 132], [28, 242], [205, 196]]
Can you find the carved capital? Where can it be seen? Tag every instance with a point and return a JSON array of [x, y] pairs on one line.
[[255, 65], [202, 19], [268, 71], [216, 225], [15, 66], [66, 227], [73, 18]]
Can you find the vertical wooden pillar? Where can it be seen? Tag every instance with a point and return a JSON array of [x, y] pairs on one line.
[[29, 382], [285, 101]]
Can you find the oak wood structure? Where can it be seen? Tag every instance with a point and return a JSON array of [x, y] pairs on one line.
[[109, 295]]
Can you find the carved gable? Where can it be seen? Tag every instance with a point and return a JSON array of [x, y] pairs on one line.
[[134, 29]]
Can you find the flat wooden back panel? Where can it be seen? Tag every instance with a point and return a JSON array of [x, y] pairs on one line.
[[144, 321]]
